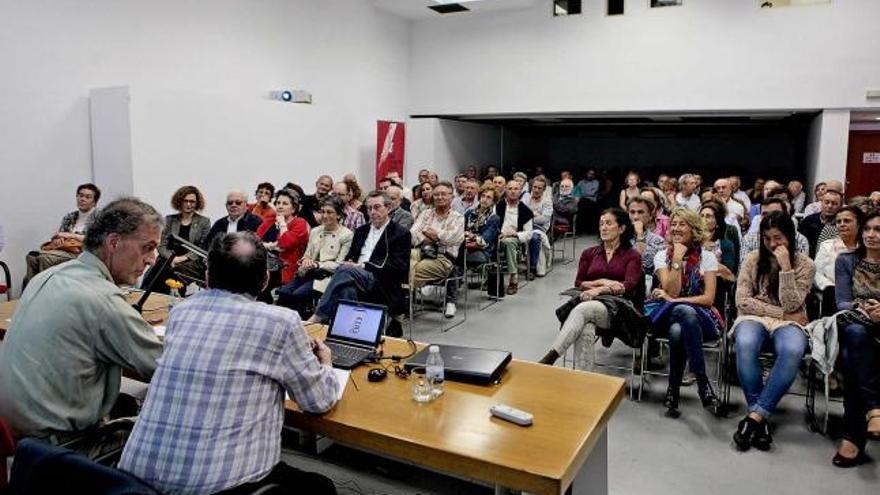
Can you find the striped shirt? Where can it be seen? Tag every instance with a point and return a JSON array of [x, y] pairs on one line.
[[214, 410]]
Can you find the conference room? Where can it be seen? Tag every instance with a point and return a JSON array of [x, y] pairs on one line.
[[588, 246]]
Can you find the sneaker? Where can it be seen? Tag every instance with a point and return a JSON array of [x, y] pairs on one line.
[[744, 432], [450, 310], [762, 440]]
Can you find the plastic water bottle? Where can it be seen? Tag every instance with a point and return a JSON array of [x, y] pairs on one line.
[[434, 370]]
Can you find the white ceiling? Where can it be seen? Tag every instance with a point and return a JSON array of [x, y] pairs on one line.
[[418, 9]]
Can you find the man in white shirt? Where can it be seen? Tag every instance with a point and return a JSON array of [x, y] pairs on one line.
[[516, 228], [542, 209], [687, 197], [739, 195], [798, 197], [735, 210], [376, 267]]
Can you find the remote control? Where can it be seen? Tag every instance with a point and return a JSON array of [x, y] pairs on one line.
[[511, 414]]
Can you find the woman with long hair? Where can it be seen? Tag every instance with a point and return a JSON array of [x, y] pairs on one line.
[[425, 201], [613, 267], [771, 291], [713, 213], [857, 276], [684, 304]]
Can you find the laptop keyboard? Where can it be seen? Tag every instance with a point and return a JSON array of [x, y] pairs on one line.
[[346, 356]]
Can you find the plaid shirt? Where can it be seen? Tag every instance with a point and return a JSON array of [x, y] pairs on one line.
[[214, 410]]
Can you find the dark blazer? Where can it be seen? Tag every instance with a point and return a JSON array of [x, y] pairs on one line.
[[389, 262], [525, 213], [249, 222], [811, 226], [198, 232]]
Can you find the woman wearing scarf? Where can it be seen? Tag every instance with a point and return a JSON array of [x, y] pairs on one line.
[[683, 304], [772, 286], [482, 227]]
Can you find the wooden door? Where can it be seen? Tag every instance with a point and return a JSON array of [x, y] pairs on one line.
[[862, 177]]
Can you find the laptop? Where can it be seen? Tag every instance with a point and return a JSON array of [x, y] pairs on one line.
[[466, 364], [355, 332]]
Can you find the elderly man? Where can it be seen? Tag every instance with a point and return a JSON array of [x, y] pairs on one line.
[[737, 193], [687, 195], [820, 226], [238, 219], [311, 204], [399, 215], [424, 176], [376, 267], [735, 210], [468, 199], [798, 197], [436, 238], [539, 241], [74, 331], [459, 182], [238, 399], [516, 228], [66, 243], [565, 205]]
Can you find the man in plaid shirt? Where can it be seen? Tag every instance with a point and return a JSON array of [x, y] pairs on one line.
[[214, 410]]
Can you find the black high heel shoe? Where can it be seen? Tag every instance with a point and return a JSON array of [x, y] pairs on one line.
[[848, 462], [708, 398], [671, 403]]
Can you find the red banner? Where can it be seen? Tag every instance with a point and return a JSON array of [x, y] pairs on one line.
[[389, 148]]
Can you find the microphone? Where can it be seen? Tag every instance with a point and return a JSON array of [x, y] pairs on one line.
[[139, 306]]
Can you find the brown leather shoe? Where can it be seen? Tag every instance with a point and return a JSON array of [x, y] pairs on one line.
[[512, 288]]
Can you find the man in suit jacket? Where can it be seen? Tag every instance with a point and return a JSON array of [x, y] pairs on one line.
[[377, 264], [516, 228], [237, 220]]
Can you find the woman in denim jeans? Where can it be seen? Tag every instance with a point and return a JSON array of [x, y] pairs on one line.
[[771, 289], [684, 302], [857, 278]]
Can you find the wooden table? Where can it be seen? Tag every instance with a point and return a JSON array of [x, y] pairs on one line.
[[567, 444], [155, 310]]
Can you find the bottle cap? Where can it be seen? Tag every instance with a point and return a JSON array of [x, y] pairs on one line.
[[434, 348]]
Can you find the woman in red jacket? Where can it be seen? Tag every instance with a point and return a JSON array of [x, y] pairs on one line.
[[288, 235]]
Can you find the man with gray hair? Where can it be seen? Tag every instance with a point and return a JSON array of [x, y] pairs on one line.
[[74, 331], [398, 214], [687, 195]]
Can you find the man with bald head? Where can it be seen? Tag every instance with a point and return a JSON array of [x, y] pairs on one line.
[[798, 197], [238, 219], [735, 210], [516, 228], [820, 226], [233, 383], [399, 215]]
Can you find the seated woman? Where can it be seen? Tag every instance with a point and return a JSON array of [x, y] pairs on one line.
[[630, 191], [328, 245], [288, 235], [857, 277], [848, 221], [659, 221], [771, 289], [612, 267], [425, 201], [684, 309], [481, 228], [189, 225], [713, 213]]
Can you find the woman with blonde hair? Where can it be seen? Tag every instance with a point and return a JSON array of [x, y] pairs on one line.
[[683, 304]]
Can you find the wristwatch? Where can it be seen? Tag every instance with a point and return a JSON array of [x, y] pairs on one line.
[[676, 266]]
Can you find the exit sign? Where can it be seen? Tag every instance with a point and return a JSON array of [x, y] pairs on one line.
[[873, 157]]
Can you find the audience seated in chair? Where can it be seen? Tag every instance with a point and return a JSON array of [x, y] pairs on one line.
[[376, 267], [436, 239], [425, 201], [565, 207], [67, 242], [820, 226], [190, 226], [311, 204], [482, 228], [752, 241], [287, 236], [857, 276], [687, 195], [237, 218], [213, 415], [353, 217], [613, 267], [61, 361], [683, 307], [658, 222], [848, 221], [328, 245], [398, 214], [771, 292], [516, 228], [468, 198], [713, 213], [262, 206], [646, 242], [539, 240]]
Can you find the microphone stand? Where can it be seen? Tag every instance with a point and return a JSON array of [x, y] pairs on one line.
[[139, 306]]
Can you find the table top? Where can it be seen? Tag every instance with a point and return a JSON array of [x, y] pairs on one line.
[[456, 433], [155, 310]]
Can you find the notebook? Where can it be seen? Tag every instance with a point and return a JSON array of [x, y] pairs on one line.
[[355, 332], [466, 364]]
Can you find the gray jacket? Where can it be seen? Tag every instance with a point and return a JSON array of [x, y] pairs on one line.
[[198, 232]]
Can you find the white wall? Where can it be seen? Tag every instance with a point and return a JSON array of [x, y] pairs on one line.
[[704, 55], [827, 147], [448, 147], [205, 69]]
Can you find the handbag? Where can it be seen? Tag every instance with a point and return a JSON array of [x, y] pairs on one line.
[[73, 246]]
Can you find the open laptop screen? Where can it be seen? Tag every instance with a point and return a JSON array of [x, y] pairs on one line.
[[358, 323]]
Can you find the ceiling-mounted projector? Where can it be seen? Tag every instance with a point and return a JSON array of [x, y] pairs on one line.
[[292, 96]]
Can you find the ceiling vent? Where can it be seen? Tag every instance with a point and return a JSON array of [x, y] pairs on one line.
[[448, 8]]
